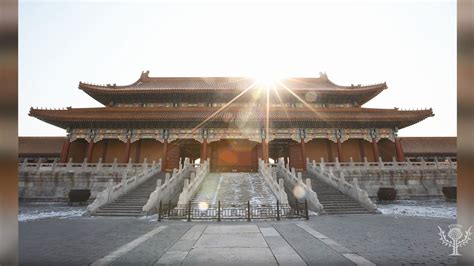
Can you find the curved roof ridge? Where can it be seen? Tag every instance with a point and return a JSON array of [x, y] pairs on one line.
[[308, 81]]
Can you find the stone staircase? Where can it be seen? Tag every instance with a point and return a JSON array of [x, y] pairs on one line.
[[131, 203], [208, 190], [234, 189], [334, 201]]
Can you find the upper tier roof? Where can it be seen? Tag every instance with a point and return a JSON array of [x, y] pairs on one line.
[[222, 89], [429, 145], [40, 146], [186, 117]]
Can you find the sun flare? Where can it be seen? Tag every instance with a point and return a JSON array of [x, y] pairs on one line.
[[266, 80]]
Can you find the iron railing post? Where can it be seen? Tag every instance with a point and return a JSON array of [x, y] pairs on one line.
[[248, 210], [189, 211], [159, 212], [169, 208], [297, 210], [278, 210], [306, 208], [219, 211]]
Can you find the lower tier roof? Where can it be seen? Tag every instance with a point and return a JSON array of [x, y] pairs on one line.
[[159, 117]]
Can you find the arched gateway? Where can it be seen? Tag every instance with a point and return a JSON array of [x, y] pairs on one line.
[[233, 121]]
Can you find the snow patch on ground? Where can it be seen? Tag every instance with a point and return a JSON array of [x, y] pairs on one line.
[[37, 211], [42, 215], [420, 208]]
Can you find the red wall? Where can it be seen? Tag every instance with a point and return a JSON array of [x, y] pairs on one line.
[[315, 149], [151, 149]]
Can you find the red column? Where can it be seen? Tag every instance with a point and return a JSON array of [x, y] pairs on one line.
[[329, 150], [65, 151], [127, 152], [339, 150], [265, 150], [376, 149], [138, 151], [361, 149], [90, 149], [204, 151], [303, 154], [105, 144], [399, 150], [165, 153]]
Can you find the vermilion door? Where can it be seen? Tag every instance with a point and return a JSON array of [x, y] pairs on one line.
[[232, 155], [172, 157], [296, 157]]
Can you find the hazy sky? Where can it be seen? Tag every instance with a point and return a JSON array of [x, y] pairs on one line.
[[411, 46]]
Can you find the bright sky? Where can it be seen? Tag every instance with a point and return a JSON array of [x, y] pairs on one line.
[[410, 45]]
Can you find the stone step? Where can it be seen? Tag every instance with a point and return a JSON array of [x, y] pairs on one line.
[[344, 208], [332, 204], [132, 202], [349, 212], [111, 209], [120, 211], [335, 196], [122, 214], [127, 203], [337, 201], [334, 201]]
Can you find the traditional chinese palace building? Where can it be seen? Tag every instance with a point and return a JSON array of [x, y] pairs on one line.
[[232, 121]]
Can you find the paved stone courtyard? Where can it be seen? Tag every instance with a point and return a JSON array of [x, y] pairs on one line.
[[323, 240]]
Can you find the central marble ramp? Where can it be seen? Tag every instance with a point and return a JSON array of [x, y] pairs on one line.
[[234, 189]]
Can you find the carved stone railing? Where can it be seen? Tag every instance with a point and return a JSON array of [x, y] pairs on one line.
[[393, 165], [112, 191], [352, 190], [301, 190], [169, 189], [53, 181], [82, 167], [192, 185], [409, 179], [277, 187]]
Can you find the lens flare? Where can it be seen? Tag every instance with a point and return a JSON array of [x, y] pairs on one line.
[[298, 192], [203, 206]]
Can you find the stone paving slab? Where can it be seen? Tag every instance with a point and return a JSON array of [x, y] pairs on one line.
[[310, 249], [246, 240], [154, 248], [269, 231], [283, 252], [388, 240], [231, 229], [194, 233], [230, 256], [75, 241], [176, 254], [172, 258]]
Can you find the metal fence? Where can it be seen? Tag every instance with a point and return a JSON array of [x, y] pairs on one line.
[[249, 212]]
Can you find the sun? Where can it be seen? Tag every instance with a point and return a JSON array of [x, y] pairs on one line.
[[266, 80]]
